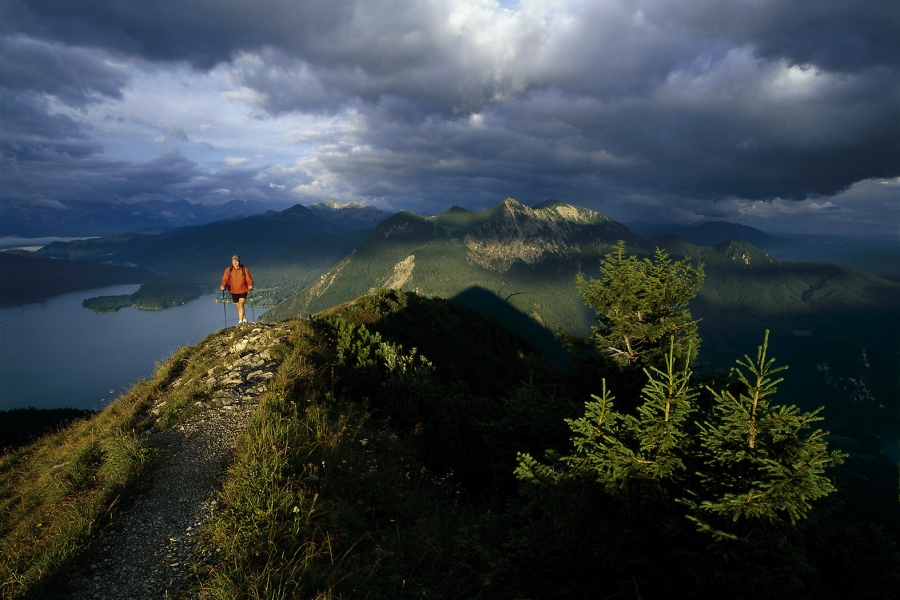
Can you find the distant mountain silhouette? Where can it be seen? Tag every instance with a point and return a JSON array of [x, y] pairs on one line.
[[71, 218], [702, 234], [195, 251], [350, 216], [875, 254]]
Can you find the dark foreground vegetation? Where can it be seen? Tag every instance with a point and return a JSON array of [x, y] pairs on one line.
[[409, 448], [20, 426], [397, 459]]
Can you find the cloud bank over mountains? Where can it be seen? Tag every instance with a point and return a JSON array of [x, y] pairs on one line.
[[772, 112]]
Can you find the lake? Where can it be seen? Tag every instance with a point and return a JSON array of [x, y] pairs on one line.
[[59, 354]]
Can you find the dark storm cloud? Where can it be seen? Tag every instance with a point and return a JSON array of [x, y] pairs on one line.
[[694, 99], [206, 32], [834, 34], [35, 133], [607, 46], [31, 73], [170, 176], [75, 76], [28, 124], [681, 101]]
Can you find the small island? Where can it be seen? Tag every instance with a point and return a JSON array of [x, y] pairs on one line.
[[152, 296]]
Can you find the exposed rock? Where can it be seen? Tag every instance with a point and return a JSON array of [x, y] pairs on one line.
[[519, 233], [401, 274]]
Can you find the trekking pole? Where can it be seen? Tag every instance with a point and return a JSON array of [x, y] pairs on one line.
[[252, 308], [225, 309]]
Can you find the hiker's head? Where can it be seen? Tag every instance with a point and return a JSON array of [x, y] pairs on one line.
[[236, 260]]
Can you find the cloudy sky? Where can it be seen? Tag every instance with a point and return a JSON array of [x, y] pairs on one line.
[[781, 114]]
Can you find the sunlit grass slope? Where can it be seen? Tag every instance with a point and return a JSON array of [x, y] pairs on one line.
[[57, 492]]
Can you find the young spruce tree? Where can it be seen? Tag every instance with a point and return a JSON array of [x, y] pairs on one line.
[[641, 305], [761, 461], [638, 457], [711, 496]]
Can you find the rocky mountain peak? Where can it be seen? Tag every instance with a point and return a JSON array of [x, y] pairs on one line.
[[350, 216], [518, 232], [575, 214], [513, 205]]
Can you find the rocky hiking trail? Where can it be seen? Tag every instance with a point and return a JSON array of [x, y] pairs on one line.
[[147, 552]]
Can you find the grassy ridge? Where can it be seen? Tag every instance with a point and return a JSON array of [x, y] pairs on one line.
[[380, 466], [356, 477], [325, 502]]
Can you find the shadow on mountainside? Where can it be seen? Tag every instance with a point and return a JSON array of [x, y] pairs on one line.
[[491, 306]]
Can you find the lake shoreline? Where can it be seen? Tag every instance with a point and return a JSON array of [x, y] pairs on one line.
[[56, 353]]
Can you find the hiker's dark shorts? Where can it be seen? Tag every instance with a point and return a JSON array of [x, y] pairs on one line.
[[236, 297]]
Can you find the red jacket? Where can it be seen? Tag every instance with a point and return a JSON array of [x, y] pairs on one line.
[[238, 280]]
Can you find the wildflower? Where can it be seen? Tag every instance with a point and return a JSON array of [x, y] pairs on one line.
[[296, 509]]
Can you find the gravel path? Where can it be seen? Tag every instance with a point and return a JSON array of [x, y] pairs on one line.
[[146, 553]]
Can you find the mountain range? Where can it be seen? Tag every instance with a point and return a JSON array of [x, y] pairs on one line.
[[77, 218], [517, 265], [875, 254]]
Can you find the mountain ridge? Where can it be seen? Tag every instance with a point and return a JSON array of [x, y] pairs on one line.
[[349, 216], [708, 233], [75, 218], [528, 258]]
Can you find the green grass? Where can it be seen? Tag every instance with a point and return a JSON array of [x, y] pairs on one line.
[[323, 501], [56, 492]]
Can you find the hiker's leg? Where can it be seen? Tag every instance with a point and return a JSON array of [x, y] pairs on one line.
[[240, 307]]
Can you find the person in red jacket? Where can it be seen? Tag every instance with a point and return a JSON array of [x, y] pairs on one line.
[[238, 279]]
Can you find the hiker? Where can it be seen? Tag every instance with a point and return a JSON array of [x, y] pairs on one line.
[[238, 279]]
